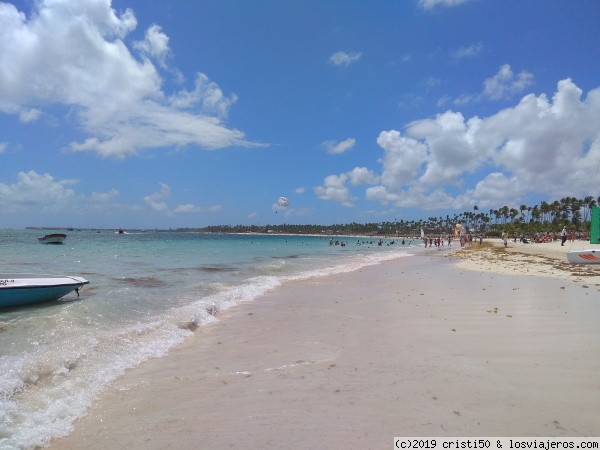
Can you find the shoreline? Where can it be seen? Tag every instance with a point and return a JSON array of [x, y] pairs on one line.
[[436, 344]]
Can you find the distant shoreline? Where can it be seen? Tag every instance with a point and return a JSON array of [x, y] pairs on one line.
[[249, 233]]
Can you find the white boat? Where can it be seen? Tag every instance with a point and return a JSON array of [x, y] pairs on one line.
[[25, 288], [54, 238], [589, 256], [584, 256]]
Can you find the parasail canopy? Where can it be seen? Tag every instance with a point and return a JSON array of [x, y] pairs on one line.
[[283, 202]]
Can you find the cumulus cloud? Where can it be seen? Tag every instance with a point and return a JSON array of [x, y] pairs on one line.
[[73, 53], [344, 59], [35, 190], [547, 145], [335, 186], [44, 195], [505, 85], [335, 148], [157, 201]]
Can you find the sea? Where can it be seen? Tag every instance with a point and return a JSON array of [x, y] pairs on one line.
[[148, 291]]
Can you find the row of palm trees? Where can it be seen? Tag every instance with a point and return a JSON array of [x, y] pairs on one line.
[[570, 211]]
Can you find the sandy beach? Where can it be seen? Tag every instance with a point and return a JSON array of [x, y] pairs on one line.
[[484, 341]]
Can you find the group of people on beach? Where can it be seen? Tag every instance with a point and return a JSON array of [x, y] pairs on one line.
[[548, 236], [437, 241], [464, 239]]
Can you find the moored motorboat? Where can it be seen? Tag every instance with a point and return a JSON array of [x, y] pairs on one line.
[[54, 238], [26, 288]]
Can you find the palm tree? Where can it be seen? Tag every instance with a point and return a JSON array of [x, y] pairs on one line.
[[521, 209], [589, 202], [505, 213], [536, 213], [545, 211]]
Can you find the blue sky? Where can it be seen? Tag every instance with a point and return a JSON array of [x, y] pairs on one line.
[[167, 114]]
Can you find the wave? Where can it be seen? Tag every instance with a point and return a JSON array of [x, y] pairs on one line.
[[45, 391]]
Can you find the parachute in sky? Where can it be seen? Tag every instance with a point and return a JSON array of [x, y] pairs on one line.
[[283, 202]]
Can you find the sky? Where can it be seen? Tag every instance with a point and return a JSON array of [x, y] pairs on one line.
[[177, 113]]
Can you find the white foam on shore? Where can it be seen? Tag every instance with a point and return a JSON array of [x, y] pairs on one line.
[[46, 393]]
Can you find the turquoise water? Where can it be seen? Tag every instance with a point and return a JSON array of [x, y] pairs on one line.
[[148, 291]]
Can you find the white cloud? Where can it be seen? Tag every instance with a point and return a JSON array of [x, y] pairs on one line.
[[548, 146], [190, 208], [34, 191], [334, 188], [29, 115], [362, 175], [462, 100], [403, 158], [505, 85], [344, 58], [450, 146], [72, 53], [155, 44], [467, 52], [431, 4], [205, 93], [502, 86], [494, 190], [103, 197], [334, 147], [42, 197], [2, 147], [156, 201], [186, 208]]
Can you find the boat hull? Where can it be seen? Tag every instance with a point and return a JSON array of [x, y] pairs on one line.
[[24, 289], [584, 256], [55, 238]]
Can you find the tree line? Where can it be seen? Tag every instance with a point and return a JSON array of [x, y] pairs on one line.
[[570, 211]]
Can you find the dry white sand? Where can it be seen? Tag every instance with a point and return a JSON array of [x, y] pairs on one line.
[[419, 346], [545, 259]]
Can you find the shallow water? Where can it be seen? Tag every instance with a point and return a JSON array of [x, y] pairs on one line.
[[148, 291]]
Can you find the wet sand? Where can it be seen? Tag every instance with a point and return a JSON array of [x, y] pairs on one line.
[[463, 345]]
